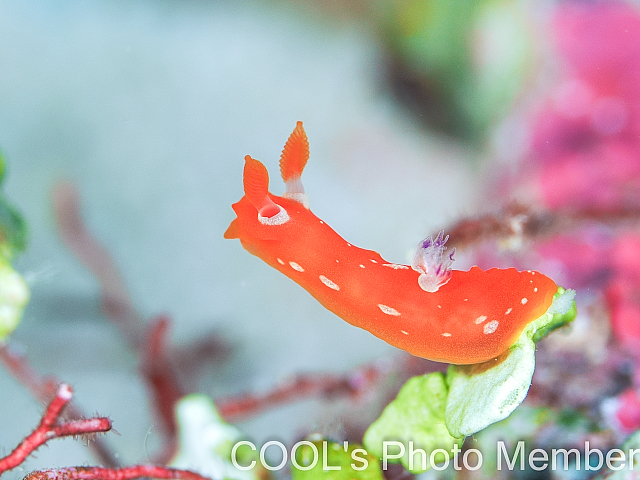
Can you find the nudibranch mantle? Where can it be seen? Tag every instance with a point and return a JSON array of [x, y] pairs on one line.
[[473, 317]]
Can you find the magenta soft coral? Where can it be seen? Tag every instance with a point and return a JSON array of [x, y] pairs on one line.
[[605, 177], [623, 292], [597, 95], [585, 147], [584, 162]]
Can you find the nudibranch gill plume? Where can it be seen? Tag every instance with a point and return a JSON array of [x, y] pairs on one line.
[[426, 309]]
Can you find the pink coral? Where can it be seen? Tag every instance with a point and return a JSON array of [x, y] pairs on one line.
[[623, 293], [585, 141]]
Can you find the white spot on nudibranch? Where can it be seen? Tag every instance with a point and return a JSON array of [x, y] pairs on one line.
[[361, 266], [395, 266], [280, 261], [406, 333], [491, 327], [524, 301], [348, 244], [373, 260], [329, 283], [388, 310], [508, 311], [535, 289], [296, 267], [480, 319], [337, 261], [446, 334]]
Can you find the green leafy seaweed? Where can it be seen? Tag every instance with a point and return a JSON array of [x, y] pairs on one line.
[[14, 295], [416, 420], [333, 461], [482, 394], [13, 229]]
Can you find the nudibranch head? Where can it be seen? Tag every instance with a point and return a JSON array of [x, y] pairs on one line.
[[427, 309], [262, 216], [258, 212]]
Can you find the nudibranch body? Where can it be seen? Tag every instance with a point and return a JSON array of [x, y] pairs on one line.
[[427, 309]]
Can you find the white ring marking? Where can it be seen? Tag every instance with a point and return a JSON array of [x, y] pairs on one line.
[[278, 219]]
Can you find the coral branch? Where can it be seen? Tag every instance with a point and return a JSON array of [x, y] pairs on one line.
[[115, 297], [207, 349], [516, 221], [302, 386], [159, 372], [511, 223], [129, 473], [77, 237], [50, 428], [47, 429], [157, 366], [83, 427], [43, 388]]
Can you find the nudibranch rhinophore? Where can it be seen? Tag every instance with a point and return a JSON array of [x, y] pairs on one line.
[[427, 309]]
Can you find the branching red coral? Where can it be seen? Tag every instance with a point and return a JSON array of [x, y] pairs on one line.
[[129, 473], [43, 388], [50, 428], [78, 238], [115, 297], [158, 370], [157, 366], [516, 221], [353, 384]]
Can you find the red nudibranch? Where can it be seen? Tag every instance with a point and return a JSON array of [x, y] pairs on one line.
[[427, 309]]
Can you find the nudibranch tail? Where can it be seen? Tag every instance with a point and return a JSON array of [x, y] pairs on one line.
[[256, 188], [292, 162], [432, 264]]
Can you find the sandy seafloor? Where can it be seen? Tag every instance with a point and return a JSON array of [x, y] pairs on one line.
[[149, 107]]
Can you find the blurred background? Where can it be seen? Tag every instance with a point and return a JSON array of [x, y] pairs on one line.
[[421, 114]]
